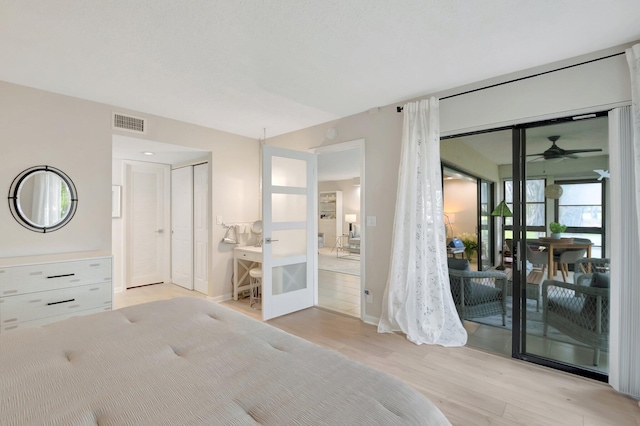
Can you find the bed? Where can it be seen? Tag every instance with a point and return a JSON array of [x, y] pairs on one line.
[[191, 361]]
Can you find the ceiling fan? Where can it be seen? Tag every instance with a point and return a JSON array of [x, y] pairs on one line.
[[557, 153]]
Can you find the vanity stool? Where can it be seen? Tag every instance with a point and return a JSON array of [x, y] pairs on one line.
[[255, 287]]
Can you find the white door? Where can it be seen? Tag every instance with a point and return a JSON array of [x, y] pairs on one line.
[[290, 255], [200, 228], [145, 213], [182, 227]]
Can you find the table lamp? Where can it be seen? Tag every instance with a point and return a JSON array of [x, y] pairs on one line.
[[502, 211], [350, 218]]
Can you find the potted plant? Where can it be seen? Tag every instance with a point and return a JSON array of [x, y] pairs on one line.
[[557, 229], [470, 242]]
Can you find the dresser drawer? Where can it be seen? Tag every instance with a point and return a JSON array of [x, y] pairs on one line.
[[49, 320], [249, 256], [49, 276], [30, 307]]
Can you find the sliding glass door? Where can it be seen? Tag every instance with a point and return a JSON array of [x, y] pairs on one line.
[[555, 313], [564, 313]]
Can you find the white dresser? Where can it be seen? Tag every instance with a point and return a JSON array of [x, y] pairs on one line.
[[37, 290]]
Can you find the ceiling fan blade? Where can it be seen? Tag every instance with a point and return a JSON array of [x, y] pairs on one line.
[[578, 151], [540, 157], [531, 155]]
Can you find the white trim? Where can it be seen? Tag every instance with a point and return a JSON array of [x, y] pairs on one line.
[[221, 298], [344, 146], [368, 319]]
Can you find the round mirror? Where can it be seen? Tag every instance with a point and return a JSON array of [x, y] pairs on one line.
[[42, 199], [256, 228]]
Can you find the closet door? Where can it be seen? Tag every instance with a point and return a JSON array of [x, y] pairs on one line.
[[201, 228], [182, 227]]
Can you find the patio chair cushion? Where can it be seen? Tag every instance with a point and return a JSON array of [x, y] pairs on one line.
[[480, 294], [458, 264], [600, 280]]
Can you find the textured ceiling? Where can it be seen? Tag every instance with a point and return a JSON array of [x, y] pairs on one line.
[[283, 65]]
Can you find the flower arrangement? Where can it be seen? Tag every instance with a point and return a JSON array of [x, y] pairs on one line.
[[557, 228], [470, 242]]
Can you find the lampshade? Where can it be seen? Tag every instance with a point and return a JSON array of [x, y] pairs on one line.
[[553, 191], [350, 218], [502, 210]]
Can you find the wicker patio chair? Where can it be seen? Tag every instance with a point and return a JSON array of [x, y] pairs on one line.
[[478, 293], [584, 268], [581, 312], [537, 257]]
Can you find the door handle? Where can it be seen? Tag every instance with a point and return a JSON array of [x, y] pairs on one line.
[[268, 240], [159, 231]]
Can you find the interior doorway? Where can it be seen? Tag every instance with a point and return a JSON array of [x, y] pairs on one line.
[[141, 235], [341, 228]]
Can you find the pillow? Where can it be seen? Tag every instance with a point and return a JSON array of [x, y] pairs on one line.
[[356, 229], [600, 280], [459, 264]]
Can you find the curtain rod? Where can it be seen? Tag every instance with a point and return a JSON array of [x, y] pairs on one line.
[[399, 108]]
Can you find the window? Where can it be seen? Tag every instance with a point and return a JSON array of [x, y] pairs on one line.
[[535, 204], [580, 207]]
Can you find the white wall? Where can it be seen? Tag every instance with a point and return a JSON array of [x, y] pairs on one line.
[[590, 87], [458, 154], [461, 199], [75, 135]]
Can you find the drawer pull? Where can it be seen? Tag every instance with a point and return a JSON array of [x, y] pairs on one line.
[[62, 301], [60, 276]]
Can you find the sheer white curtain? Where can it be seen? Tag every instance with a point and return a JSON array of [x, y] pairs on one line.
[[624, 162], [624, 137], [633, 57], [417, 300]]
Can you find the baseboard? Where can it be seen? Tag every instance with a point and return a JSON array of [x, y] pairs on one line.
[[222, 298], [371, 320]]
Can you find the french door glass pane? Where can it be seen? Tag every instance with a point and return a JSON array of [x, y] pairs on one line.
[[288, 172], [288, 207], [289, 278]]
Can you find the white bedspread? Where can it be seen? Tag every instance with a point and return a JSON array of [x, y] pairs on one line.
[[190, 361]]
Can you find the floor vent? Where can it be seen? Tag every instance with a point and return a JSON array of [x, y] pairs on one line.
[[126, 122]]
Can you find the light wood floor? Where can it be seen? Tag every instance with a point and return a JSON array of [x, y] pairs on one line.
[[339, 292], [470, 386]]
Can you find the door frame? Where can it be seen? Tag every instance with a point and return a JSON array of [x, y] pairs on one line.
[[344, 146], [126, 219]]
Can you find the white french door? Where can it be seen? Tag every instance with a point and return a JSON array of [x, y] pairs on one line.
[[182, 227], [290, 254]]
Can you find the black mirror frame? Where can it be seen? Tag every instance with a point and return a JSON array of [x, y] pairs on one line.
[[13, 199]]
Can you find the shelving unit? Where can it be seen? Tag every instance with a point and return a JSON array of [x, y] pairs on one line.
[[330, 216]]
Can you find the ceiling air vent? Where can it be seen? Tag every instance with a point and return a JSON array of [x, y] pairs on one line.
[[127, 122]]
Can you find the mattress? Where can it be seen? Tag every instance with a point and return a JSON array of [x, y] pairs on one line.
[[189, 361]]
